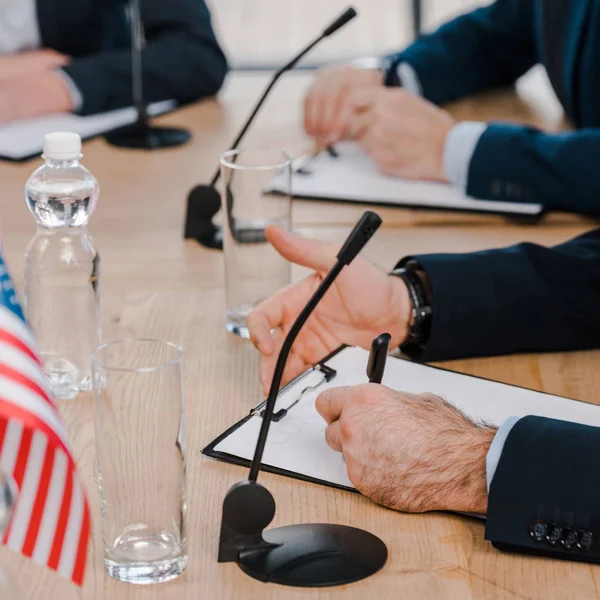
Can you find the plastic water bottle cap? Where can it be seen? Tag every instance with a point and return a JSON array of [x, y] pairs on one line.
[[62, 145]]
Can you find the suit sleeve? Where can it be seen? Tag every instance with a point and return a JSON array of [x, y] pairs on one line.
[[489, 47], [182, 60], [526, 298], [543, 497], [521, 164]]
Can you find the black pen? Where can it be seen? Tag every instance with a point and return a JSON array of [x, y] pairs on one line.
[[377, 357], [332, 152]]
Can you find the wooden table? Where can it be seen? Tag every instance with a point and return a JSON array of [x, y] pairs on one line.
[[155, 284]]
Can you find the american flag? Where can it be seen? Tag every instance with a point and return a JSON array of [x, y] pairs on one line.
[[51, 519]]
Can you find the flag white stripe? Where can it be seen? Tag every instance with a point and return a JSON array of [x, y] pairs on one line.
[[72, 534], [15, 359], [28, 493], [14, 325], [54, 500], [32, 403], [10, 448]]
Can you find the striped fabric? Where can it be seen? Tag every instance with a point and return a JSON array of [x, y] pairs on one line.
[[51, 520]]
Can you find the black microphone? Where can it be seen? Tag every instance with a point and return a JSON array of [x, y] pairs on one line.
[[363, 231], [310, 555], [142, 135], [196, 226]]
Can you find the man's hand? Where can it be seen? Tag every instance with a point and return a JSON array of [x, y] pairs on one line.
[[325, 106], [23, 64], [413, 453], [402, 133], [362, 303], [33, 96]]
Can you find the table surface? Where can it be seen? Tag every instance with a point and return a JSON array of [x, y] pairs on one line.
[[156, 284]]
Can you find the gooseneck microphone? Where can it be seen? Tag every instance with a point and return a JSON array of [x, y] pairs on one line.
[[143, 135], [197, 225], [310, 555], [363, 231]]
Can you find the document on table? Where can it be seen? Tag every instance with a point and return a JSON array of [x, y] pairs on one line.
[[296, 444], [351, 176], [24, 138]]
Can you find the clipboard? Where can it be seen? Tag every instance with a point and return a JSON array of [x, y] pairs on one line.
[[305, 455], [346, 174], [23, 139], [211, 449]]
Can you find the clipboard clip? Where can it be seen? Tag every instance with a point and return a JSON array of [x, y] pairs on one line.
[[328, 375]]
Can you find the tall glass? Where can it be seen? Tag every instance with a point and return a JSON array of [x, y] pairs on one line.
[[253, 269], [139, 416]]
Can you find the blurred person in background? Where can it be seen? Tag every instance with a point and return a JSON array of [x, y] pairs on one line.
[[75, 55], [392, 107]]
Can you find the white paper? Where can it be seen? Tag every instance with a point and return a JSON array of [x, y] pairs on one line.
[[297, 442], [24, 138], [352, 176]]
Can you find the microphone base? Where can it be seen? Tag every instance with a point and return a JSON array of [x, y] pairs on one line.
[[314, 555], [148, 138]]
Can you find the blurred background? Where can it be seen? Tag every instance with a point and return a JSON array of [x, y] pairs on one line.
[[263, 33]]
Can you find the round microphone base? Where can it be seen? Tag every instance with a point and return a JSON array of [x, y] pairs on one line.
[[316, 555], [148, 138]]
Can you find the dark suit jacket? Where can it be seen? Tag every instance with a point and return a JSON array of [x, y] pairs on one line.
[[544, 495], [525, 298], [182, 59], [492, 47]]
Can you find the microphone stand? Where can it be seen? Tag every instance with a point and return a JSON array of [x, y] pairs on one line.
[[142, 135], [203, 200], [307, 555]]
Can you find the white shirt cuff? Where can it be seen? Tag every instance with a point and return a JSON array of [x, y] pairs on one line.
[[74, 93], [458, 151], [495, 451], [409, 78]]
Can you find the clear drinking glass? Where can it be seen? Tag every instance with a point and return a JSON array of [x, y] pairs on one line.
[[253, 269], [139, 416]]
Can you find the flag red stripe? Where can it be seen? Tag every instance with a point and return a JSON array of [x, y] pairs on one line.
[[40, 501], [18, 377], [3, 427], [20, 466], [61, 525], [30, 421], [82, 549], [14, 341], [22, 457]]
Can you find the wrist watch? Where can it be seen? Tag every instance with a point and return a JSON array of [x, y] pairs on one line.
[[422, 310]]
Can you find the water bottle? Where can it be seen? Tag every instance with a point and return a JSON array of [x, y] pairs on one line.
[[62, 266]]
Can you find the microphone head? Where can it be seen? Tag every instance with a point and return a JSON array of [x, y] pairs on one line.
[[204, 203], [346, 17], [363, 231]]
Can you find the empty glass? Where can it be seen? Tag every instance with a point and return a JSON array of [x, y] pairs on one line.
[[139, 416], [253, 269]]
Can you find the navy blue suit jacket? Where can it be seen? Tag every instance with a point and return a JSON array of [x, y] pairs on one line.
[[182, 59], [544, 495], [493, 46]]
